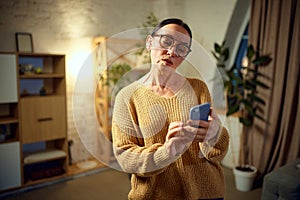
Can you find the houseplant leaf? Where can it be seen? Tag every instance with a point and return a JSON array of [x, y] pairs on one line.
[[245, 121], [225, 54], [255, 72], [215, 55], [255, 98], [217, 48], [259, 117], [233, 109], [262, 60], [250, 52], [261, 84]]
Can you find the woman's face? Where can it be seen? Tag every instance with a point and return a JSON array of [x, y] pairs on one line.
[[169, 45]]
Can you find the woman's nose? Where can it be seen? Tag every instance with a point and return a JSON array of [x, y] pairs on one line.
[[172, 50]]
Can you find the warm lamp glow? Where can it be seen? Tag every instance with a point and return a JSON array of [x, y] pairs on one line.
[[80, 50]]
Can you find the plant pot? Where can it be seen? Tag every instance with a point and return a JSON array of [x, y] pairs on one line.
[[244, 178]]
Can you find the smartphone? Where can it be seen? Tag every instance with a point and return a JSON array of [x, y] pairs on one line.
[[200, 112]]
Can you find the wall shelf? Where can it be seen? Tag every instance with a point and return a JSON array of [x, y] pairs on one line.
[[9, 120]]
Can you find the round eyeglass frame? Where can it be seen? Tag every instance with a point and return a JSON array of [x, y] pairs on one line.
[[173, 44]]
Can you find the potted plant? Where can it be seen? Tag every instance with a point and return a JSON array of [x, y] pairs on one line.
[[241, 88]]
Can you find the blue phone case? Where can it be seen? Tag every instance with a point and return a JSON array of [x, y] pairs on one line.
[[200, 112]]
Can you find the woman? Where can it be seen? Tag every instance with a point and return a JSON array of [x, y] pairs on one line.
[[169, 155]]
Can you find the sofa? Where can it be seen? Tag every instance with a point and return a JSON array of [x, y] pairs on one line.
[[283, 183]]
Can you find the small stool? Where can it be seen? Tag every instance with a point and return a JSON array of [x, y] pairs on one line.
[[283, 183]]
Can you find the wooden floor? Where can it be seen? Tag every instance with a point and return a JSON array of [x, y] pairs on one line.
[[107, 184], [87, 165]]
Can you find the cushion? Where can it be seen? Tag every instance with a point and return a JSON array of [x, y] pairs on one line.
[[283, 183]]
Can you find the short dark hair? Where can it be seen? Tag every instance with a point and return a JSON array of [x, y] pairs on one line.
[[172, 21]]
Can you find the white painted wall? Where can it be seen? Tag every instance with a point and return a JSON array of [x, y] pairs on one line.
[[67, 27], [209, 19], [58, 20]]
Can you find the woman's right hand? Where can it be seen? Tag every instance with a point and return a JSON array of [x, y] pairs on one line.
[[178, 140]]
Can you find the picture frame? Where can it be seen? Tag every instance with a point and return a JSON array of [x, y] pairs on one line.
[[24, 42]]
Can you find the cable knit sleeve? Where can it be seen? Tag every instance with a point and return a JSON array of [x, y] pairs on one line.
[[217, 151], [214, 151]]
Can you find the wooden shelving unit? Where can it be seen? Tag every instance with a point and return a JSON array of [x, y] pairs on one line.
[[36, 147], [43, 118], [36, 139]]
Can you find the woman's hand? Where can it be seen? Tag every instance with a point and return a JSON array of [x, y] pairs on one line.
[[199, 128], [177, 139], [207, 132], [204, 130], [180, 135]]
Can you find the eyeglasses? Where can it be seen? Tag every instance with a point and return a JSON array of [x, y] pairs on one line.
[[167, 41]]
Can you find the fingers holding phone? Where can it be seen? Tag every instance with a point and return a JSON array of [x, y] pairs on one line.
[[178, 140], [214, 126], [198, 122], [207, 121]]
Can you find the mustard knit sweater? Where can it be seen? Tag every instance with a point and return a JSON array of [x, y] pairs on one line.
[[139, 127]]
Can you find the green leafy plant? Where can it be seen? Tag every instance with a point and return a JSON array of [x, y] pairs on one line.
[[114, 73], [151, 21], [241, 87], [241, 84]]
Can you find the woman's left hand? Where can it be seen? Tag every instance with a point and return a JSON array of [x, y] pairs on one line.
[[204, 130], [198, 127]]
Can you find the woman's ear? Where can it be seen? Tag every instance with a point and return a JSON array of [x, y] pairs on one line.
[[148, 42]]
